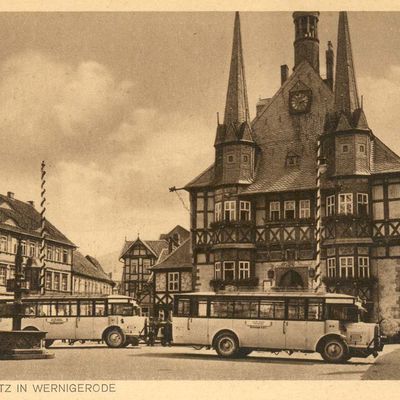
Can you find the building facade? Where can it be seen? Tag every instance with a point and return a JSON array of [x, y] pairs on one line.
[[305, 195], [138, 257], [88, 276], [171, 276], [21, 221]]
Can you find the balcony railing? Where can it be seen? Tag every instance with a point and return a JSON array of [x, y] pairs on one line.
[[220, 284]]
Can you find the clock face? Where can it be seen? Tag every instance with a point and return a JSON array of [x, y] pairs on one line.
[[300, 102]]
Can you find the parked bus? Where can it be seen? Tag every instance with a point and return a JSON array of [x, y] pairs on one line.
[[113, 318], [235, 324]]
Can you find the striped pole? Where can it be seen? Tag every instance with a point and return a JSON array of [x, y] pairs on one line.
[[43, 229], [317, 277]]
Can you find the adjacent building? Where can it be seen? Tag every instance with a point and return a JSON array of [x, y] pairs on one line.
[[67, 270], [21, 221], [89, 277], [138, 257], [171, 276], [262, 220]]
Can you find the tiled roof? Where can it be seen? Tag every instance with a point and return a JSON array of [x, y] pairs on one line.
[[28, 220], [155, 246], [384, 159], [180, 258], [278, 134], [204, 179], [89, 267]]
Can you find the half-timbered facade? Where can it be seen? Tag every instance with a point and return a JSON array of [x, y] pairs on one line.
[[171, 276], [255, 209], [138, 257]]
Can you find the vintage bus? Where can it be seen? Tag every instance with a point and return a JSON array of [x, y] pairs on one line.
[[235, 324], [114, 319]]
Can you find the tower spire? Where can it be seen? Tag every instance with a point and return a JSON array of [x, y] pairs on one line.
[[346, 96], [236, 107]]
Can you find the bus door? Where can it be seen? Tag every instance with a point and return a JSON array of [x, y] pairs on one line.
[[271, 332], [100, 320], [315, 322], [197, 322], [295, 326], [84, 328]]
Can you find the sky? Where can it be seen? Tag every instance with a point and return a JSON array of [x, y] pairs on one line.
[[121, 106]]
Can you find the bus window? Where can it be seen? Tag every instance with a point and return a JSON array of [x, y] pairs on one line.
[[343, 312], [296, 309], [315, 310], [124, 309], [74, 309], [246, 309], [63, 309], [99, 308], [29, 309], [200, 308], [43, 310], [86, 308], [221, 309], [183, 308], [272, 309]]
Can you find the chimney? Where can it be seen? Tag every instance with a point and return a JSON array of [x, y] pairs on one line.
[[170, 245], [10, 195], [284, 73], [329, 65], [32, 203]]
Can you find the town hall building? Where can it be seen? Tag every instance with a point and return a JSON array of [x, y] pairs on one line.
[[304, 195]]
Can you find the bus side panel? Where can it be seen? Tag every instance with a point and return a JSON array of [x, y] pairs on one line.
[[218, 324], [247, 331], [34, 322], [5, 324], [99, 326], [315, 330], [187, 330]]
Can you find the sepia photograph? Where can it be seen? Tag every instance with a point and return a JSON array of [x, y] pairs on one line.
[[198, 196]]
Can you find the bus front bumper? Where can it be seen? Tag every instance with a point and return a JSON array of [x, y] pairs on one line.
[[375, 346]]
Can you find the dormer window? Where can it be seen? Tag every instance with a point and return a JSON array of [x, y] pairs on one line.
[[292, 159]]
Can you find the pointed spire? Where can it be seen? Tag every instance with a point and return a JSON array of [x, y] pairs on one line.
[[236, 108], [346, 96]]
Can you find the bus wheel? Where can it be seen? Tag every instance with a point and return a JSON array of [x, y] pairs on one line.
[[48, 343], [334, 351], [244, 351], [114, 338], [226, 345]]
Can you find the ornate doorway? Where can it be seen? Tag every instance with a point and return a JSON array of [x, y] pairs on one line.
[[291, 280]]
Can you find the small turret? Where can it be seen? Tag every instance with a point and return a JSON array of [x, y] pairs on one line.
[[306, 43]]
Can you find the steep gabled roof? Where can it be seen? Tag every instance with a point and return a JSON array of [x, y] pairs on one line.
[[277, 132], [180, 258], [89, 267], [154, 246], [28, 220]]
